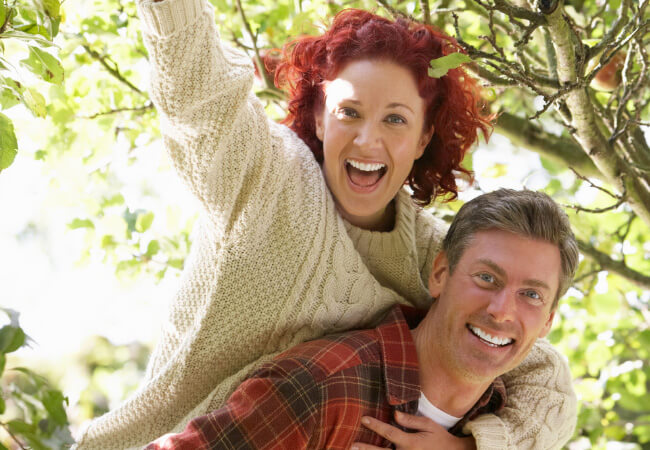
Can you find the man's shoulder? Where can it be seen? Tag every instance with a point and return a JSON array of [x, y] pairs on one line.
[[330, 355]]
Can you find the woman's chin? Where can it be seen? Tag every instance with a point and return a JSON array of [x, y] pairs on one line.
[[363, 216]]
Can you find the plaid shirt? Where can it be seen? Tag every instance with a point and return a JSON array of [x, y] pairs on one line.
[[314, 394]]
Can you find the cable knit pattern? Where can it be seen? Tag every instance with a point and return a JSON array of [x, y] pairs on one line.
[[272, 264]]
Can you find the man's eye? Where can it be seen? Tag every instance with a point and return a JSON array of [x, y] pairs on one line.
[[533, 295], [395, 119], [486, 277]]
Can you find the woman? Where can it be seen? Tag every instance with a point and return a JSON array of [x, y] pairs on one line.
[[297, 240]]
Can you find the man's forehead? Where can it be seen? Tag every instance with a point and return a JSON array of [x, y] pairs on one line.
[[536, 260]]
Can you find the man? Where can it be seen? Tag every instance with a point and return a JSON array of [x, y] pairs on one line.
[[507, 259]]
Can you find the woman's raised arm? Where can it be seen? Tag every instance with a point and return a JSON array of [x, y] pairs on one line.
[[202, 91]]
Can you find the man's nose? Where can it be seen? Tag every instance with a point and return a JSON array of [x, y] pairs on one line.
[[503, 306]]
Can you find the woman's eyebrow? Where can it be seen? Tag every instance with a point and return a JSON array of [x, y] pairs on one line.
[[395, 105]]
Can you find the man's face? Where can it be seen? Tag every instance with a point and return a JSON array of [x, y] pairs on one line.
[[494, 305]]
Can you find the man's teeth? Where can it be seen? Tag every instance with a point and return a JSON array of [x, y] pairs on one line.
[[489, 338], [366, 167]]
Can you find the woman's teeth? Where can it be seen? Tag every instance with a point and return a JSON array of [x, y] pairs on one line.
[[366, 167], [500, 342]]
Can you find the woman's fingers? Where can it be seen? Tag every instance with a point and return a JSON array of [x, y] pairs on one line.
[[428, 435], [362, 446], [388, 432], [418, 423]]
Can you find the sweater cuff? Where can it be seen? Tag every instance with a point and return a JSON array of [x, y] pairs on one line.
[[165, 18], [489, 432]]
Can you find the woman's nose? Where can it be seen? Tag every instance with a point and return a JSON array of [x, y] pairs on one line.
[[368, 134]]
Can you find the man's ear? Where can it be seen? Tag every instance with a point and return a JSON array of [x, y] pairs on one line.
[[439, 274], [547, 326], [425, 138]]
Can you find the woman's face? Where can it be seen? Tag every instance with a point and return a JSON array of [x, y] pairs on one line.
[[372, 129]]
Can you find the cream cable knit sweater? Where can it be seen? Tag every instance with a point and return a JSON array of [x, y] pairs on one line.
[[273, 263]]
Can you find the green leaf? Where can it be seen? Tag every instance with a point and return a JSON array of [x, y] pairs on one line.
[[143, 222], [35, 442], [108, 241], [53, 401], [131, 217], [38, 380], [2, 405], [81, 223], [153, 248], [18, 426], [52, 8], [34, 28], [11, 338], [22, 36], [8, 142], [127, 265], [44, 65], [3, 13], [115, 200], [176, 263], [440, 66], [8, 98], [35, 102]]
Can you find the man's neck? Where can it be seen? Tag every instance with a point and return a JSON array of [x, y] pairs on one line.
[[444, 388]]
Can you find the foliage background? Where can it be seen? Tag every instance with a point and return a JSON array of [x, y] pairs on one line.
[[77, 126]]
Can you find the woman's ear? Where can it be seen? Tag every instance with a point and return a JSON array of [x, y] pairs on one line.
[[425, 138], [320, 131]]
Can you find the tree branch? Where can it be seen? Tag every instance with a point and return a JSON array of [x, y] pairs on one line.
[[113, 70], [16, 440], [587, 131], [565, 151], [426, 13], [513, 11], [147, 106], [618, 267], [266, 77]]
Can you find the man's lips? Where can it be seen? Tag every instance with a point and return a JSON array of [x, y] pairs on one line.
[[493, 341]]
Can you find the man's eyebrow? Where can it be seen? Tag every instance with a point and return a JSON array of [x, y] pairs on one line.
[[537, 283], [499, 271], [494, 266]]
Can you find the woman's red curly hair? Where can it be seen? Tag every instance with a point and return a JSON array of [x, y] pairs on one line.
[[452, 100]]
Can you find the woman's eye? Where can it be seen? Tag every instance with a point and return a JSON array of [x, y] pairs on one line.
[[347, 112], [394, 118]]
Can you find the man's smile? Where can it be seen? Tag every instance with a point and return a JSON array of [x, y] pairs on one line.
[[493, 341]]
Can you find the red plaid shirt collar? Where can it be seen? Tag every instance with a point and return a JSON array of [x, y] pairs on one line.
[[399, 355], [400, 358]]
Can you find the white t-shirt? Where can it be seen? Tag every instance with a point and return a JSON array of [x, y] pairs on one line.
[[426, 409]]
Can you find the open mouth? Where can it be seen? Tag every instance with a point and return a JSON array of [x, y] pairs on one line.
[[490, 340], [364, 174]]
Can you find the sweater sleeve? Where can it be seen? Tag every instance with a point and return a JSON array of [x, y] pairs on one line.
[[214, 128], [541, 408], [222, 145]]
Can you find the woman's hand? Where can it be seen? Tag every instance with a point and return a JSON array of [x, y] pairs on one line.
[[429, 434]]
